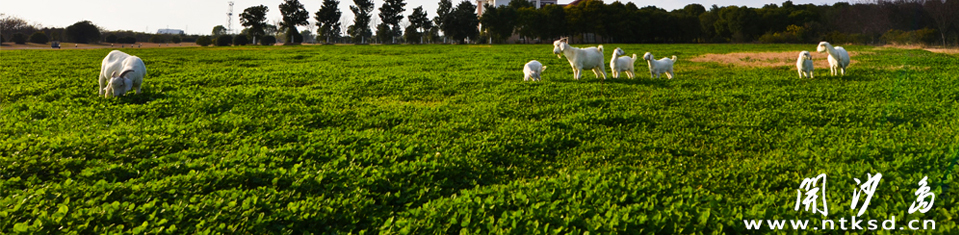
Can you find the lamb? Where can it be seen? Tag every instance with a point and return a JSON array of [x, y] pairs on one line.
[[838, 58], [533, 70], [589, 58], [120, 73], [657, 67], [804, 64], [622, 64]]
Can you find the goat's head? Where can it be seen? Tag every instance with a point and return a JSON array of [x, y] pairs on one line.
[[822, 46], [618, 52], [559, 46], [118, 84], [648, 56], [805, 55]]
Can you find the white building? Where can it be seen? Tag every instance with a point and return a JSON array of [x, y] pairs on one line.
[[170, 31]]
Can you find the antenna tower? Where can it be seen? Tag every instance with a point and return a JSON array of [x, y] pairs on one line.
[[229, 19]]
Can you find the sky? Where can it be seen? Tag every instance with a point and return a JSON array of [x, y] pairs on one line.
[[200, 16]]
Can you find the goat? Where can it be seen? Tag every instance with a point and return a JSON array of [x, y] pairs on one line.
[[589, 58], [622, 64], [120, 73], [804, 64], [533, 70], [657, 67], [838, 58]]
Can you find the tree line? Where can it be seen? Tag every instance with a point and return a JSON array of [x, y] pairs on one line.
[[930, 22]]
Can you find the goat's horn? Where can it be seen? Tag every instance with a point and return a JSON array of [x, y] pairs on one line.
[[114, 74], [125, 73]]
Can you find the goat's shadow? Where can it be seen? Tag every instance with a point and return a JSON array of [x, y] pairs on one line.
[[143, 97], [638, 80], [662, 82]]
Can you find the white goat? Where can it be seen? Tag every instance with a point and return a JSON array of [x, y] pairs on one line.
[[589, 58], [622, 64], [804, 64], [120, 73], [533, 70], [657, 67], [838, 58]]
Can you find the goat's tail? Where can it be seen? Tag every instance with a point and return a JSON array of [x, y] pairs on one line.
[[600, 47], [634, 58], [674, 58]]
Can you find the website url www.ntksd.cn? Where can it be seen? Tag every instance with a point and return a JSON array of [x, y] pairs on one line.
[[841, 224]]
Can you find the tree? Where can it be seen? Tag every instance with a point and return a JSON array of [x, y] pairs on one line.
[[462, 22], [360, 30], [419, 24], [391, 13], [203, 41], [293, 14], [255, 18], [240, 40], [443, 13], [83, 32], [156, 38], [328, 21], [176, 39], [224, 40], [112, 38], [10, 25], [499, 22], [127, 40], [944, 15], [268, 40], [39, 37], [218, 30], [19, 38]]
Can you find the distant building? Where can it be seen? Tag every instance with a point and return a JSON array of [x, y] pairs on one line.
[[170, 31]]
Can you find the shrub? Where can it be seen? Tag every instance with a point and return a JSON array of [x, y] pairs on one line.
[[112, 38], [39, 37], [176, 39], [224, 40], [2, 39], [203, 41], [240, 40], [267, 40], [127, 40], [156, 38], [19, 38]]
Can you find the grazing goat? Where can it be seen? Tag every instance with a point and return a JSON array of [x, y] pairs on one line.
[[838, 58], [622, 64], [657, 67], [589, 58], [804, 64], [120, 73], [533, 70]]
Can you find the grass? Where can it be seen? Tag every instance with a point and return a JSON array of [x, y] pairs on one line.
[[449, 139]]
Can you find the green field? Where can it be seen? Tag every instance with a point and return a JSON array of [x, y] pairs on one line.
[[448, 139]]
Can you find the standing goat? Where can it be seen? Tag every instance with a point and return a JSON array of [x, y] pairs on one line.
[[657, 67], [622, 64], [588, 58], [838, 58], [120, 73], [533, 70], [804, 64]]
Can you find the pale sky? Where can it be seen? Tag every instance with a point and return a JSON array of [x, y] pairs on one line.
[[200, 16]]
